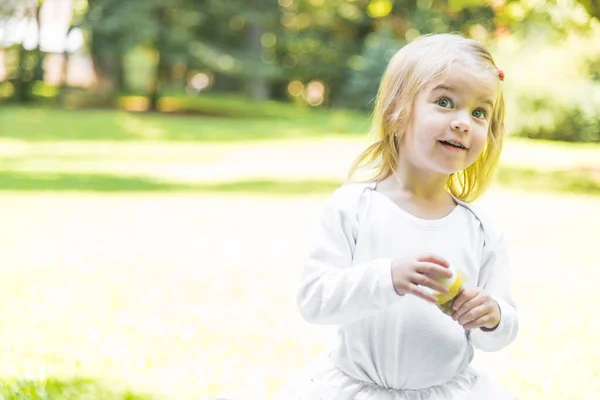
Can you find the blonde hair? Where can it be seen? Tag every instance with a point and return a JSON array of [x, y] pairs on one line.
[[409, 71]]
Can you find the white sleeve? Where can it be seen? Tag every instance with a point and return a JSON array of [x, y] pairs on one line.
[[332, 290], [495, 279]]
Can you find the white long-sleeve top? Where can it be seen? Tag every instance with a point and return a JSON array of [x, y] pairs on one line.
[[399, 342]]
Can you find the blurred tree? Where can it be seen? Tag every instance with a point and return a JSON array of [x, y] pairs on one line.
[[29, 68], [38, 73], [159, 39], [262, 18], [164, 27], [185, 34], [259, 46], [318, 38], [110, 27], [367, 70], [375, 30], [237, 40], [79, 10]]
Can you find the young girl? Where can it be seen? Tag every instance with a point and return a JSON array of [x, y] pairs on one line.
[[386, 245]]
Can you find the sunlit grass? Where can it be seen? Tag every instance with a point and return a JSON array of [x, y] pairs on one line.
[[302, 166], [49, 124], [74, 389], [559, 181], [191, 296], [575, 180], [134, 264]]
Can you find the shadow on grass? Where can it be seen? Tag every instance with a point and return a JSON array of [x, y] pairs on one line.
[[34, 181], [56, 389], [295, 188], [42, 181], [579, 181]]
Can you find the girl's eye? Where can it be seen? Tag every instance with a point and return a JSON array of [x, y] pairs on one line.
[[444, 102], [480, 113]]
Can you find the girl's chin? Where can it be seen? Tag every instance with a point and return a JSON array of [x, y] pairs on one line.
[[448, 169]]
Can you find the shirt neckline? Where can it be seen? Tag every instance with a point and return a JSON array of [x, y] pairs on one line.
[[422, 222]]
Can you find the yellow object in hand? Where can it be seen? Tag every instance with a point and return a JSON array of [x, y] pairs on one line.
[[454, 285]]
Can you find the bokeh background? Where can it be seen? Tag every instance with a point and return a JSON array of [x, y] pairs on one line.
[[164, 163]]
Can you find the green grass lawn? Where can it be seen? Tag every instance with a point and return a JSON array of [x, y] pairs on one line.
[[151, 256], [49, 124], [100, 150]]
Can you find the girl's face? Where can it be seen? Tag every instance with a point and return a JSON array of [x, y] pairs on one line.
[[450, 120]]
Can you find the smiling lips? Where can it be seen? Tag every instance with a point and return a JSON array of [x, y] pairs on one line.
[[453, 145]]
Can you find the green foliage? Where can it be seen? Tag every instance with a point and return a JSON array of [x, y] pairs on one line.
[[552, 95], [547, 118], [165, 27], [367, 70], [592, 66], [592, 7], [552, 20], [23, 71], [153, 47]]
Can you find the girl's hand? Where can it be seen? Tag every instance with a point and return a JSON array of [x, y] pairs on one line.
[[475, 308], [407, 275]]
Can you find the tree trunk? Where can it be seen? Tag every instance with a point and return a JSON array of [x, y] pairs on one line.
[[26, 75], [155, 87], [257, 85], [22, 81], [64, 78], [119, 71], [161, 63], [38, 73]]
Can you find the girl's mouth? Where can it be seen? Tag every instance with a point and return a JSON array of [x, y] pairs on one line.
[[453, 145]]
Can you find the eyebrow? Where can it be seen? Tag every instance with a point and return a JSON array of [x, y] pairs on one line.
[[449, 89]]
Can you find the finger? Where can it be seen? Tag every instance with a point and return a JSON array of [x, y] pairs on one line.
[[415, 290], [479, 322], [474, 314], [434, 258], [430, 283], [467, 306], [433, 270], [464, 296]]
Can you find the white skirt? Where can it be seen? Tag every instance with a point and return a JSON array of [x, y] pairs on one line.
[[320, 379]]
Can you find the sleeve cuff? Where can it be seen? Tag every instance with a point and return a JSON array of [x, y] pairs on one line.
[[505, 315], [503, 334], [384, 273]]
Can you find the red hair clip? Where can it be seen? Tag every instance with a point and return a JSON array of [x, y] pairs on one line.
[[501, 74]]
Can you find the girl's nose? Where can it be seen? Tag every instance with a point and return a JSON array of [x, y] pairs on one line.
[[461, 126]]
